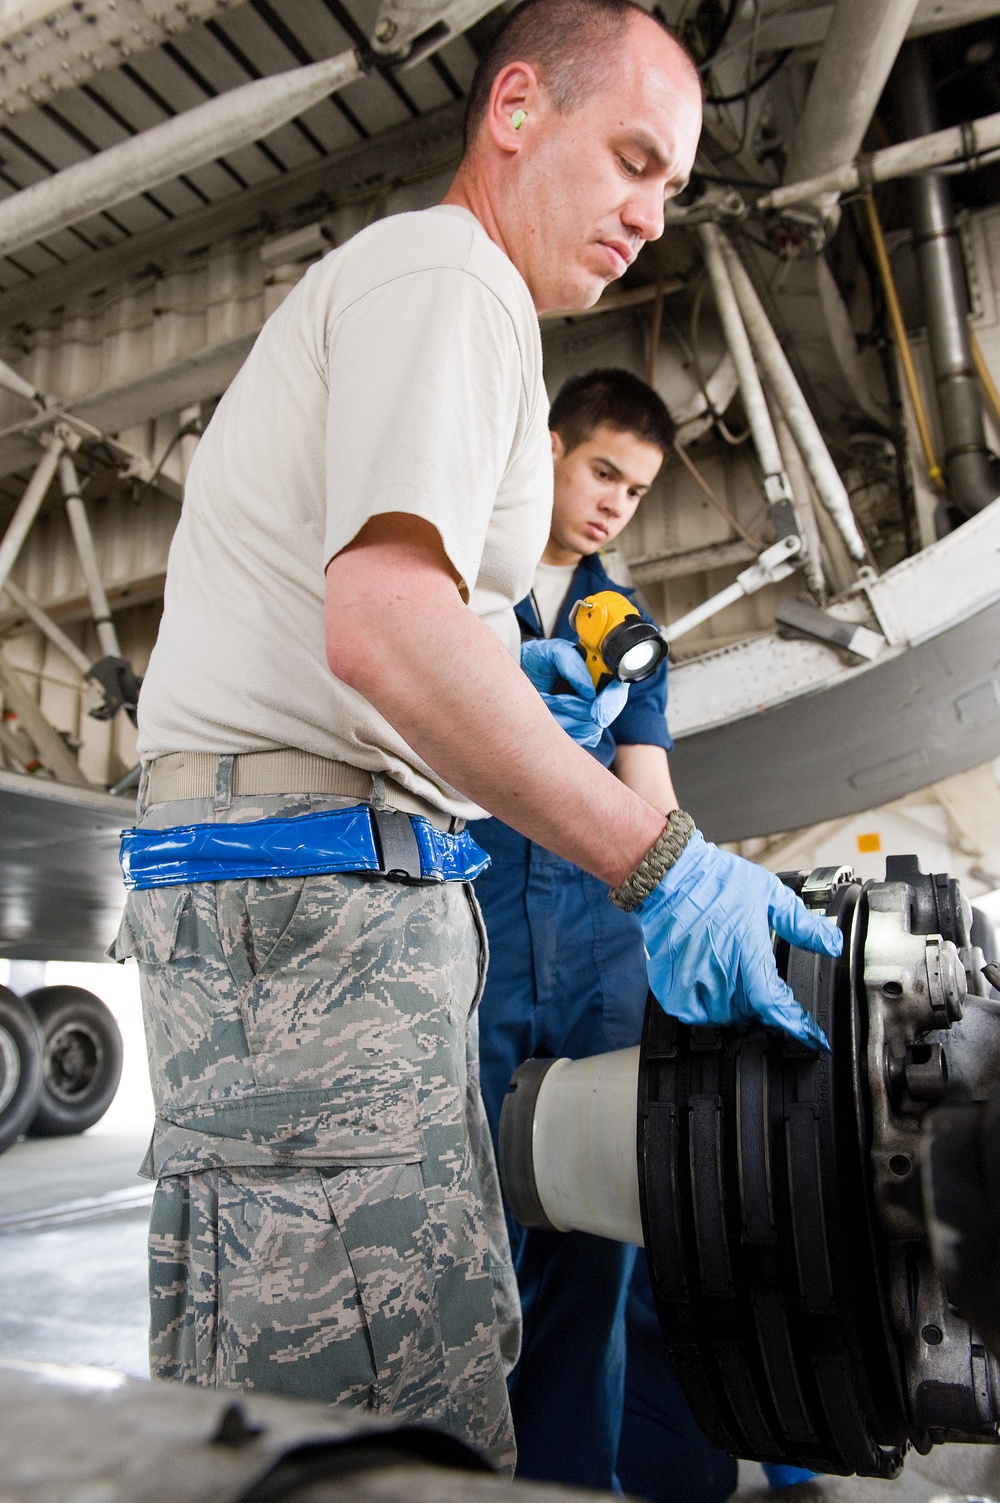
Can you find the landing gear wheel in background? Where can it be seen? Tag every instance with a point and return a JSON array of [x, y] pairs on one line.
[[82, 1060], [21, 1047]]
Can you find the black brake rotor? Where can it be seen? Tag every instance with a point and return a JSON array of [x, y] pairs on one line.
[[774, 1252]]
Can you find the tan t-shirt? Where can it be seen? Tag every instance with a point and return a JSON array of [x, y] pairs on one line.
[[403, 373]]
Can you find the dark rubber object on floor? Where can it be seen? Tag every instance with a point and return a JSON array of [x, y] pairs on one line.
[[82, 1062], [21, 1046]]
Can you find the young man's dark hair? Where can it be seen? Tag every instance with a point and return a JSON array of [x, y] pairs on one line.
[[568, 41], [615, 398]]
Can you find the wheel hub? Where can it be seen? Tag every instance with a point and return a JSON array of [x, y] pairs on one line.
[[74, 1057], [781, 1192]]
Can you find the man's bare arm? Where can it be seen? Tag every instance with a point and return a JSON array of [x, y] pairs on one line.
[[398, 631], [646, 771]]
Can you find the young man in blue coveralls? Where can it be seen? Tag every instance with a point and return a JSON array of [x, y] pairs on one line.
[[567, 977]]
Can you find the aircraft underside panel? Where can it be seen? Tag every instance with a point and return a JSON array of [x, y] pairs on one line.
[[61, 890], [926, 714]]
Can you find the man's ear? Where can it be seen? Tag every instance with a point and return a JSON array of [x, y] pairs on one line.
[[514, 107], [558, 447]]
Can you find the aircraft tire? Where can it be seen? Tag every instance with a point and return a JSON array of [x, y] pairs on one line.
[[82, 1060], [21, 1048]]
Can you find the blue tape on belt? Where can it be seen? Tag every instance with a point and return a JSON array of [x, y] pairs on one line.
[[338, 840]]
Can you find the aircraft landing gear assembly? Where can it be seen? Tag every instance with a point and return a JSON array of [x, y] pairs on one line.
[[814, 1223], [60, 1062]]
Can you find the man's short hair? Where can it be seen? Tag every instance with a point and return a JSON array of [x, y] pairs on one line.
[[615, 398], [568, 41]]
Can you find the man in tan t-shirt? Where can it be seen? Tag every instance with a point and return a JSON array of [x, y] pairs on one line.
[[338, 643]]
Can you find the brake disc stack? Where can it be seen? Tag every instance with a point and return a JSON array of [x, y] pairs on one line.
[[781, 1192]]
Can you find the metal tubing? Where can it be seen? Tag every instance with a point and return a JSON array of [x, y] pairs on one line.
[[48, 627], [898, 322], [942, 148], [52, 750], [857, 57], [79, 523], [189, 443], [776, 485], [972, 471], [829, 486], [774, 564], [11, 381], [27, 509], [162, 153], [984, 374], [802, 501]]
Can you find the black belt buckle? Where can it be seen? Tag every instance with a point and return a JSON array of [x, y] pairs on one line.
[[396, 845]]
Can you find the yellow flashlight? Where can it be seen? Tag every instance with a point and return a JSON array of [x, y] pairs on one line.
[[614, 640]]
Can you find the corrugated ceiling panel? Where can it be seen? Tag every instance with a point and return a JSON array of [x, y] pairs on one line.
[[51, 146], [33, 259], [460, 60], [427, 89]]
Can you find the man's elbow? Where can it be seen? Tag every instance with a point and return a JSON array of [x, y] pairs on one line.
[[350, 653]]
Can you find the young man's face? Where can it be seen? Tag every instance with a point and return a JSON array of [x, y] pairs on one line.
[[593, 181], [598, 486]]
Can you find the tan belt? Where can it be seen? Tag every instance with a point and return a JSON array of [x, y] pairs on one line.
[[186, 775]]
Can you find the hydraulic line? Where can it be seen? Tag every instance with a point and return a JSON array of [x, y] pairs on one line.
[[983, 372], [79, 523], [825, 477], [973, 473], [776, 486], [934, 471], [28, 507], [48, 627]]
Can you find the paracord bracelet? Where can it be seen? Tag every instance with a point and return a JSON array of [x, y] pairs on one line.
[[656, 863]]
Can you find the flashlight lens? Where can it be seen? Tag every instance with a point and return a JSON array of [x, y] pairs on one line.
[[637, 660], [633, 649]]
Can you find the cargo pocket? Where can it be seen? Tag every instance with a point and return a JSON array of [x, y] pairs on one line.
[[148, 929], [195, 1037], [351, 1119], [383, 1219], [290, 1314]]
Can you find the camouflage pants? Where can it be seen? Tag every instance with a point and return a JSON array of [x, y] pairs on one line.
[[327, 1221]]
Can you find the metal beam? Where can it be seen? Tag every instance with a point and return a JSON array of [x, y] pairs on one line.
[[48, 46], [941, 148], [674, 565], [52, 750], [808, 28], [175, 146], [306, 192], [195, 378], [857, 57]]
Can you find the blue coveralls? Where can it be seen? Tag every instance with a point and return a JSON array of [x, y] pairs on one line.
[[567, 978]]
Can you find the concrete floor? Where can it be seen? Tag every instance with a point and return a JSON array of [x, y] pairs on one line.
[[73, 1220]]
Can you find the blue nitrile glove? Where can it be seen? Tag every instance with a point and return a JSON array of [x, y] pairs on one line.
[[779, 1475], [708, 946], [584, 714]]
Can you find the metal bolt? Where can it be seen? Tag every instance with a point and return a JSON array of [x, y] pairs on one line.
[[932, 1335], [385, 30], [925, 1072]]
